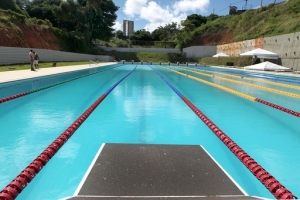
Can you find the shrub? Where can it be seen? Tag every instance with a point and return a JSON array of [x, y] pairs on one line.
[[294, 6]]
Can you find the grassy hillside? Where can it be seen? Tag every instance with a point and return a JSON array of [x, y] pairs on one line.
[[268, 21], [19, 30], [149, 56], [230, 61], [271, 20], [275, 19]]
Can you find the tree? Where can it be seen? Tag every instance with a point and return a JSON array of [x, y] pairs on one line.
[[167, 33], [92, 18], [184, 38], [170, 32], [44, 9], [157, 33], [102, 18], [212, 17], [98, 17], [70, 16], [193, 21], [141, 35], [120, 34], [9, 5], [22, 3]]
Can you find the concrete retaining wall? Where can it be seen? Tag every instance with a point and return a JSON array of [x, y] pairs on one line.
[[199, 51], [11, 55], [286, 46], [236, 48]]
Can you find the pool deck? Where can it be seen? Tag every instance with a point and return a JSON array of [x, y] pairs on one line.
[[26, 74], [143, 171], [283, 73]]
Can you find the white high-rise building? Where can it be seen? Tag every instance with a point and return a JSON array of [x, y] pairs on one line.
[[128, 27]]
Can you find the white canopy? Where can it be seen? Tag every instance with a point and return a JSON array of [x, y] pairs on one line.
[[221, 55], [267, 66], [261, 53]]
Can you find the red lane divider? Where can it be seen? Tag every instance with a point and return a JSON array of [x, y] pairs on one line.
[[273, 185], [46, 87], [297, 114], [13, 189], [13, 97]]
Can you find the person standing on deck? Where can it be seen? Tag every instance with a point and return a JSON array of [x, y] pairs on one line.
[[36, 60], [31, 59]]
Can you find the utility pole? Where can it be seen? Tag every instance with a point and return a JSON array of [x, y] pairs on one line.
[[261, 3], [246, 5]]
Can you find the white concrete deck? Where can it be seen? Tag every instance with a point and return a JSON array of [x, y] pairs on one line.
[[285, 73], [25, 74]]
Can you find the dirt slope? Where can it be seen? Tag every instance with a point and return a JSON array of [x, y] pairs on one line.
[[28, 37], [36, 37], [211, 39]]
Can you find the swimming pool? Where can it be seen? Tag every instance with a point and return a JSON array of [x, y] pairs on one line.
[[144, 109]]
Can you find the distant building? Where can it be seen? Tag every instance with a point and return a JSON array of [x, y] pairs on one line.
[[128, 27], [234, 11]]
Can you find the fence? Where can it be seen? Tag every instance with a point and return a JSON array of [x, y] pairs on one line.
[[12, 55]]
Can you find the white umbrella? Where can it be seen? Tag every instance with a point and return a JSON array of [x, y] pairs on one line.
[[221, 55], [267, 66], [261, 53]]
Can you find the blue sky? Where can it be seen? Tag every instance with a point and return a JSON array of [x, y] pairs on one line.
[[150, 14]]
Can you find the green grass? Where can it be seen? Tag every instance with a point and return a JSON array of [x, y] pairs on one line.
[[13, 67], [237, 61], [147, 56], [267, 21]]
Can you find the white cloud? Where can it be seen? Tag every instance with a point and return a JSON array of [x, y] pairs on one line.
[[154, 13], [183, 6], [151, 26], [157, 15], [117, 26], [133, 7]]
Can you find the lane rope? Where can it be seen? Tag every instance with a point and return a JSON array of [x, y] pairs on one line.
[[248, 84], [5, 99], [16, 186], [260, 80], [256, 75], [246, 96], [269, 181]]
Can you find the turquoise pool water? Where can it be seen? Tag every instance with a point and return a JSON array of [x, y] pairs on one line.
[[143, 109]]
